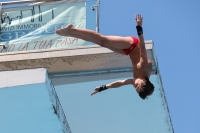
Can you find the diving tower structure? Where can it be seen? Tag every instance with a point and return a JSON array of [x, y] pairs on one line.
[[48, 79]]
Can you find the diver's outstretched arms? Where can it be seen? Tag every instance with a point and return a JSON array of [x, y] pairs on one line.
[[114, 84]]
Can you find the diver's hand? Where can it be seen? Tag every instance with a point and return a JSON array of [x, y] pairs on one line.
[[138, 19], [96, 90]]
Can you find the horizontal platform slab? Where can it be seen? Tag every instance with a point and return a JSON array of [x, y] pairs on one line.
[[22, 77], [85, 58]]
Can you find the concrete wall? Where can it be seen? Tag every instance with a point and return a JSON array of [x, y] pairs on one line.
[[69, 60]]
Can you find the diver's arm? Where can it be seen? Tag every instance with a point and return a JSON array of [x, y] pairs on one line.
[[119, 83], [115, 84], [143, 52]]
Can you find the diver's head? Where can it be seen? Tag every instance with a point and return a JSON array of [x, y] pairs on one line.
[[143, 87]]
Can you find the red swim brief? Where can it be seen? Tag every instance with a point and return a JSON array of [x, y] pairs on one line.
[[135, 43]]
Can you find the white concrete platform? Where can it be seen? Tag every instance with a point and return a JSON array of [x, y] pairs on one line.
[[76, 59], [22, 77]]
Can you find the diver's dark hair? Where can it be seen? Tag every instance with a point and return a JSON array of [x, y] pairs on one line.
[[146, 89]]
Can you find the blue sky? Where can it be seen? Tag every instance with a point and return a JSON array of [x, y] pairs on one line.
[[174, 28]]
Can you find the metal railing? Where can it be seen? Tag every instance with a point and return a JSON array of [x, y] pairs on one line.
[[58, 110], [35, 1]]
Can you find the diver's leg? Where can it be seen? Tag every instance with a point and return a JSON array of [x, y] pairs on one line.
[[92, 36], [119, 51]]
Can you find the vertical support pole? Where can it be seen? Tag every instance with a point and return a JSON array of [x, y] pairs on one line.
[[2, 46], [97, 15], [0, 13]]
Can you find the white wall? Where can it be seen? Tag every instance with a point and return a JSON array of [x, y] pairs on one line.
[[22, 77]]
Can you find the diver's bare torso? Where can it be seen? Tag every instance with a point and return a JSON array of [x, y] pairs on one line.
[[140, 69]]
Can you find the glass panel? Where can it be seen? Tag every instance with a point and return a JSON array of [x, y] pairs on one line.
[[116, 110], [33, 27], [27, 109]]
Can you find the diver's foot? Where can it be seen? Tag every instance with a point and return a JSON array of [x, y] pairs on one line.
[[65, 31]]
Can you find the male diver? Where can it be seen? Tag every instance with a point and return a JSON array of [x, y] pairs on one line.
[[130, 45]]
